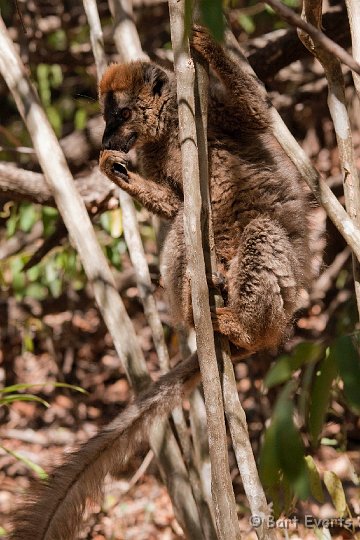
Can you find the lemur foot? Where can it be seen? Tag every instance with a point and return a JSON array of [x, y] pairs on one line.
[[226, 322]]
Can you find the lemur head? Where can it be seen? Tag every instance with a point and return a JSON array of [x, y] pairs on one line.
[[135, 98]]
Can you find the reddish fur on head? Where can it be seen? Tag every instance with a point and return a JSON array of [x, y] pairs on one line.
[[121, 77]]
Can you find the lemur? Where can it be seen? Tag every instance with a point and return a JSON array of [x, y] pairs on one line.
[[259, 213]]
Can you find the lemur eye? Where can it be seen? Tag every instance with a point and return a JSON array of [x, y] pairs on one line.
[[125, 113]]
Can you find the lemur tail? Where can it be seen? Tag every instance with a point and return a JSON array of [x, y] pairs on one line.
[[54, 509]]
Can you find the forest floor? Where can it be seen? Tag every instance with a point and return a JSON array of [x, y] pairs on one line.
[[73, 346]]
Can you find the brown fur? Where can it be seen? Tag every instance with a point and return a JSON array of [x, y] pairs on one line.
[[260, 226], [259, 208]]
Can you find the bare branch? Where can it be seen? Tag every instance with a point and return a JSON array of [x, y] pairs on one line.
[[167, 450], [126, 37], [353, 8], [19, 184], [269, 53], [292, 18], [224, 502], [337, 106], [234, 412], [96, 35]]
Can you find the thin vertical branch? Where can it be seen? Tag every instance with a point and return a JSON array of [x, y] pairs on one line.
[[236, 418], [162, 439], [234, 412], [353, 8], [125, 31], [223, 496], [126, 36], [96, 36], [312, 11]]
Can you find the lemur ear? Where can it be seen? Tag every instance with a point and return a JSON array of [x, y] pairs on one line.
[[156, 77]]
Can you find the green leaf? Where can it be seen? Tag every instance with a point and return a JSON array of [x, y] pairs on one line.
[[56, 76], [314, 479], [43, 84], [269, 466], [305, 389], [247, 23], [2, 531], [8, 399], [58, 40], [116, 227], [286, 365], [282, 454], [212, 17], [49, 219], [39, 471], [55, 287], [28, 343], [28, 216], [37, 291], [336, 491], [12, 221], [347, 359], [80, 119], [320, 396], [289, 445], [54, 119], [26, 386]]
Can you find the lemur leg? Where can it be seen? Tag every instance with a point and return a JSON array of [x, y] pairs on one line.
[[263, 292], [248, 103], [157, 198]]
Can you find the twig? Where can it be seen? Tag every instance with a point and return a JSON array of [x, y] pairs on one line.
[[325, 281], [48, 244], [20, 240], [96, 35], [21, 185], [353, 8], [292, 18], [128, 44], [223, 496], [337, 106], [234, 412], [271, 52], [126, 37]]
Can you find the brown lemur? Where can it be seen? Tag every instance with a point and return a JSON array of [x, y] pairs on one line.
[[259, 212]]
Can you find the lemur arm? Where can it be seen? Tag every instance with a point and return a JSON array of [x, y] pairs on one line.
[[247, 103], [157, 198]]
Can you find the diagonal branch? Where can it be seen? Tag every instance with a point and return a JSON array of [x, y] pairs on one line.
[[19, 184], [292, 18]]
